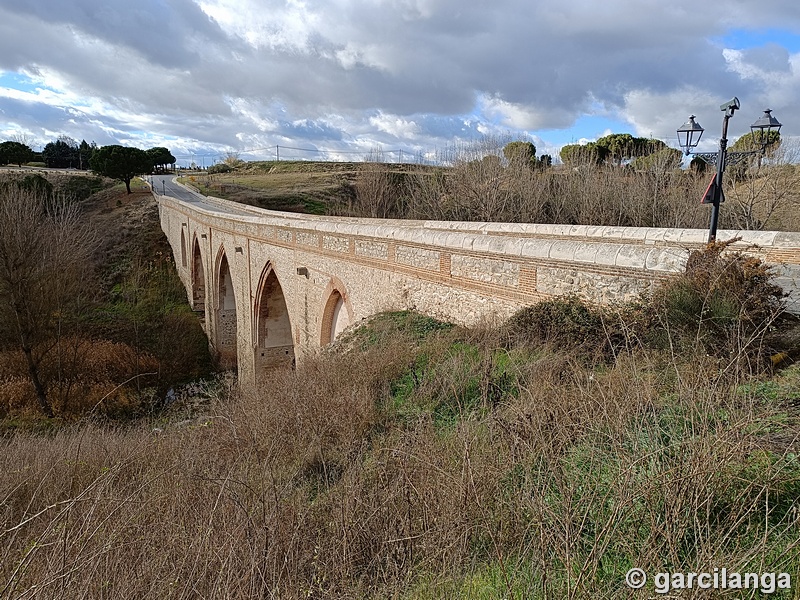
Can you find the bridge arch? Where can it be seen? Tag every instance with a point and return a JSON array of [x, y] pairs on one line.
[[225, 330], [274, 346], [337, 312], [198, 278]]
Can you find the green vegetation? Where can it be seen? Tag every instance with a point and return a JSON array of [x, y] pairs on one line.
[[542, 459], [122, 163], [160, 159], [613, 149], [117, 162], [66, 153], [15, 153]]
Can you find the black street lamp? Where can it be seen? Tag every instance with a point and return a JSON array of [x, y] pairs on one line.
[[689, 135]]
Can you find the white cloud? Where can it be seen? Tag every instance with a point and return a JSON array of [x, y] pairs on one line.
[[395, 126], [358, 73]]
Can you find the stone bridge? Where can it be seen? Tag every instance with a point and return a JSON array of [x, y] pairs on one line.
[[274, 287]]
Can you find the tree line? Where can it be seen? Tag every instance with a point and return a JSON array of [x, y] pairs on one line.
[[117, 162], [618, 180]]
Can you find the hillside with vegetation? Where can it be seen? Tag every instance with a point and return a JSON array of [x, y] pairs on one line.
[[93, 313], [539, 458]]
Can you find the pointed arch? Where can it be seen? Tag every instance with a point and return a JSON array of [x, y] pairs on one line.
[[225, 313], [198, 278], [337, 312], [273, 327]]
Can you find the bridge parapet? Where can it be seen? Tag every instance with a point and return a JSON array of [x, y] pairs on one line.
[[332, 271]]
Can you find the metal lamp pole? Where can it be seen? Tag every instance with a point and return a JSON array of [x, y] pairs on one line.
[[729, 108], [761, 131]]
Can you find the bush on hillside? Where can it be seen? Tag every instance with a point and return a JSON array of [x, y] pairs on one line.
[[219, 168], [724, 304], [568, 322]]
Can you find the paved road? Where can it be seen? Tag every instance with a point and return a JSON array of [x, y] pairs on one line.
[[167, 186]]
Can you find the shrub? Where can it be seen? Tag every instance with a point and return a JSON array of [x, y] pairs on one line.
[[567, 322], [723, 304], [219, 168]]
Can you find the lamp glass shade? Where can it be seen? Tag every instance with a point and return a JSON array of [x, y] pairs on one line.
[[689, 135], [762, 129]]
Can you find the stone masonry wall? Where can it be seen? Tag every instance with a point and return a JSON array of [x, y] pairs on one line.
[[461, 272]]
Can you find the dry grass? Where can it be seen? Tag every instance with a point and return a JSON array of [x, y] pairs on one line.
[[445, 465], [293, 187], [418, 460]]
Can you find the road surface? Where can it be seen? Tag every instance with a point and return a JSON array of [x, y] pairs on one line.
[[166, 185]]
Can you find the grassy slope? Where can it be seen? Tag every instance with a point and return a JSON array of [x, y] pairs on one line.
[[143, 303], [448, 465], [296, 186], [451, 463]]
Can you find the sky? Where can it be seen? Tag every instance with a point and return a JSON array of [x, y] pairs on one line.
[[400, 79]]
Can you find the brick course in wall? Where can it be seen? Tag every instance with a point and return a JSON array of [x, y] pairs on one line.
[[462, 272]]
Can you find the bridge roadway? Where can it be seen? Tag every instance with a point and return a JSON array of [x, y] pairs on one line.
[[275, 286], [167, 185]]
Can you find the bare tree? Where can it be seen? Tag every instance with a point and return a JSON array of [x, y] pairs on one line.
[[479, 190], [764, 189], [232, 159], [45, 248], [377, 189]]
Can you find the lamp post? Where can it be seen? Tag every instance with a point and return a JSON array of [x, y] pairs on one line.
[[689, 135]]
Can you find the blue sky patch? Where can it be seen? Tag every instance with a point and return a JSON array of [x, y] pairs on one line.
[[742, 39], [590, 126], [17, 81]]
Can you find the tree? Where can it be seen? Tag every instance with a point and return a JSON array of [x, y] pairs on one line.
[[479, 191], [746, 143], [15, 153], [520, 154], [45, 248], [159, 158], [756, 196], [740, 171], [85, 151], [377, 189], [575, 155], [662, 160], [619, 147], [120, 162], [233, 160], [61, 154]]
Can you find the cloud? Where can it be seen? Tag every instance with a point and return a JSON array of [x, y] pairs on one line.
[[353, 73]]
